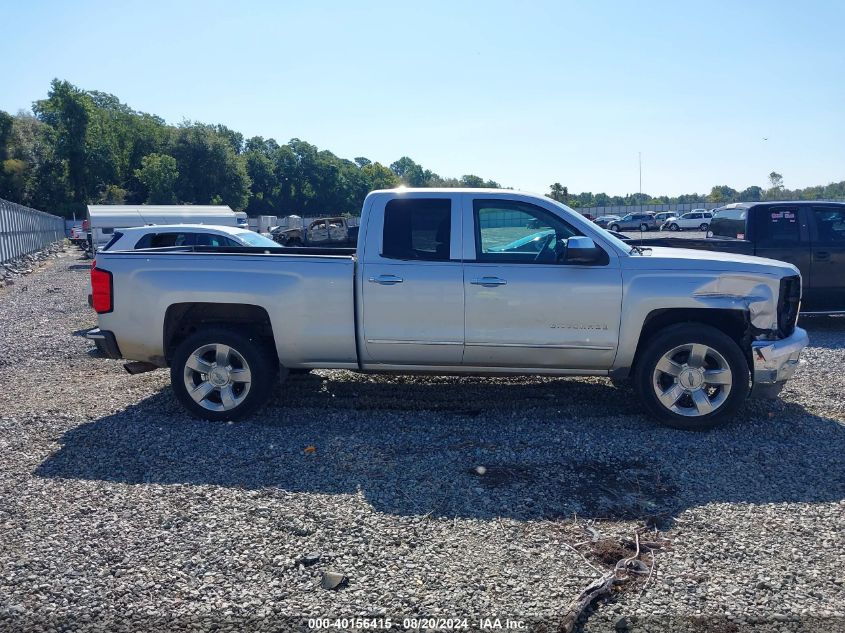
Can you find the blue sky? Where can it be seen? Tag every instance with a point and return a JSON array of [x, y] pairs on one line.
[[525, 93]]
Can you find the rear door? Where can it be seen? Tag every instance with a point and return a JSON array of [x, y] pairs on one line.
[[826, 288], [780, 233], [412, 289], [524, 309]]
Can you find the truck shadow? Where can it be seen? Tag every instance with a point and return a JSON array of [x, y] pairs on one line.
[[472, 448]]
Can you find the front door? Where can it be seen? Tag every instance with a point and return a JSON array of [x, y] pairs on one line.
[[413, 297], [524, 308]]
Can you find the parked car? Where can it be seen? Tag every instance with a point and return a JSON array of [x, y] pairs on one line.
[[319, 232], [810, 235], [442, 282], [635, 222], [77, 236], [661, 217], [159, 236], [698, 219], [605, 220]]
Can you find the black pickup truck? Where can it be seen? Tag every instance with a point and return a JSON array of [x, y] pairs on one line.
[[809, 234]]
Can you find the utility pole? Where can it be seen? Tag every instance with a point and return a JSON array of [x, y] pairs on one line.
[[640, 156]]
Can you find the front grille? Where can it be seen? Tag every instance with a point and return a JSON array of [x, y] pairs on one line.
[[789, 300]]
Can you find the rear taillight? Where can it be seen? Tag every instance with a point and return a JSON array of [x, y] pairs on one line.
[[101, 291]]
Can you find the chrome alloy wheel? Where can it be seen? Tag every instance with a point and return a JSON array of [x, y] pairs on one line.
[[692, 380], [217, 377]]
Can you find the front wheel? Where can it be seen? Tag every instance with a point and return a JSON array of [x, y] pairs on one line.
[[674, 227], [220, 374], [614, 227], [692, 377]]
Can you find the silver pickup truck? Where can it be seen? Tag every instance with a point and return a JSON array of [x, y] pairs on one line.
[[465, 281]]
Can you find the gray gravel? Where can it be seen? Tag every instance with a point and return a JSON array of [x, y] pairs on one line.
[[118, 510]]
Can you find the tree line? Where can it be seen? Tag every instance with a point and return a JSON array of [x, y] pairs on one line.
[[84, 146], [721, 194]]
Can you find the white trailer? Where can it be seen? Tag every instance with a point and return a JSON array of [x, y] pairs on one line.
[[103, 219]]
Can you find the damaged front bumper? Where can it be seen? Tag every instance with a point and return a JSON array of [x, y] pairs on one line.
[[775, 363]]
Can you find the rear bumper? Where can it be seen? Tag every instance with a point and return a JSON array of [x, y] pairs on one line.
[[105, 341], [775, 363]]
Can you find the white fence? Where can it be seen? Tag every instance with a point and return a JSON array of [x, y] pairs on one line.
[[24, 230]]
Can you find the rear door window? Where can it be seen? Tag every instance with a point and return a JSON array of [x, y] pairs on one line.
[[777, 225], [417, 228]]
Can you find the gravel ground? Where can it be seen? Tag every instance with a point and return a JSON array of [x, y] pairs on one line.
[[119, 511]]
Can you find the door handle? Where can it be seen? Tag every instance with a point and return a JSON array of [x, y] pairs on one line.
[[386, 280], [822, 256], [488, 282]]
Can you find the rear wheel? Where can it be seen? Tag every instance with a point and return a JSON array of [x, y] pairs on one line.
[[643, 227], [220, 374], [692, 377], [704, 226]]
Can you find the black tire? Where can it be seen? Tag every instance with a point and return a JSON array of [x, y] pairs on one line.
[[703, 226], [261, 364], [614, 227], [646, 382], [644, 227], [674, 227]]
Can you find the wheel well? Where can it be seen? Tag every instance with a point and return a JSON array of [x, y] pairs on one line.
[[734, 323], [183, 319]]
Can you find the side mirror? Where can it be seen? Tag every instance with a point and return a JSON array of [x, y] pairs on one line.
[[581, 250]]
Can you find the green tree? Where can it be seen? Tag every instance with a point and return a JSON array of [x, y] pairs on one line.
[[209, 168], [379, 177], [68, 110], [158, 174], [750, 194], [558, 192], [723, 194]]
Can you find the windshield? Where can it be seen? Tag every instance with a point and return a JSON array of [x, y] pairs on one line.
[[606, 234], [254, 239]]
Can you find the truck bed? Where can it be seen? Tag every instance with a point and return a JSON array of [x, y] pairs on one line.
[[741, 247], [307, 294]]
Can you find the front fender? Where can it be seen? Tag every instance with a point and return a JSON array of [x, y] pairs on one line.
[[645, 292]]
